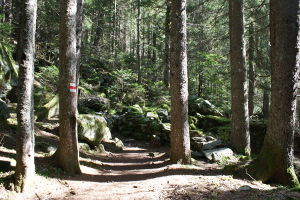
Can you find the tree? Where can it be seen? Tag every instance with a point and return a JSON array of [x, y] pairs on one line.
[[251, 61], [180, 138], [138, 49], [275, 161], [67, 154], [25, 168], [79, 32], [167, 46], [240, 137]]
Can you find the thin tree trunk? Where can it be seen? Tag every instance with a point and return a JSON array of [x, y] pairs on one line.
[[167, 46], [180, 137], [67, 155], [79, 36], [275, 162], [138, 50], [240, 137], [25, 168], [154, 54], [251, 70]]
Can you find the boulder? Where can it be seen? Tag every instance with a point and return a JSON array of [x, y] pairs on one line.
[[97, 104], [216, 155], [152, 115], [4, 110], [92, 129], [49, 110], [83, 146], [163, 115], [113, 145], [202, 106], [204, 143], [135, 109]]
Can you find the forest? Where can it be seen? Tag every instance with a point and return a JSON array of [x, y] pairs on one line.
[[149, 99]]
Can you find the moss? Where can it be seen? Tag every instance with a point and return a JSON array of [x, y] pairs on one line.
[[92, 128], [295, 181], [196, 133], [193, 121], [207, 122]]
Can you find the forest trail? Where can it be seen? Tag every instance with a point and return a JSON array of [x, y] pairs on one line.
[[145, 173]]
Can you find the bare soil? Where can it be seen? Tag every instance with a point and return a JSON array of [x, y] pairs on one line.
[[139, 172]]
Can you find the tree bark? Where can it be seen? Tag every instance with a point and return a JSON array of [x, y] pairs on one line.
[[251, 70], [138, 47], [25, 168], [180, 137], [266, 103], [67, 155], [275, 162], [79, 36], [167, 46], [240, 137]]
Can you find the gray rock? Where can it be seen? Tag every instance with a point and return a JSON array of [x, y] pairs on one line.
[[84, 146], [4, 110], [202, 106], [197, 154], [216, 155], [204, 143], [100, 148], [163, 115], [49, 110], [92, 129], [115, 145], [244, 188], [152, 115], [96, 104]]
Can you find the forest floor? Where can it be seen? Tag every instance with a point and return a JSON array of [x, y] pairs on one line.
[[139, 172]]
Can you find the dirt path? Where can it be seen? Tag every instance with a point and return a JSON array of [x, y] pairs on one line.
[[140, 173]]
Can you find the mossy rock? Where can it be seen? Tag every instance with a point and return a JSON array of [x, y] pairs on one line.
[[135, 109], [196, 133], [92, 129], [207, 122], [49, 110], [95, 104], [203, 106]]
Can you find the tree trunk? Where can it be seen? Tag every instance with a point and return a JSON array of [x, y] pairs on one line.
[[251, 70], [266, 103], [67, 155], [240, 137], [180, 137], [25, 168], [167, 46], [79, 35], [275, 162], [154, 42], [138, 50]]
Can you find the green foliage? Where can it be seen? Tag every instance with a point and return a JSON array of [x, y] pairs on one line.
[[48, 76], [125, 90], [8, 68], [46, 84]]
